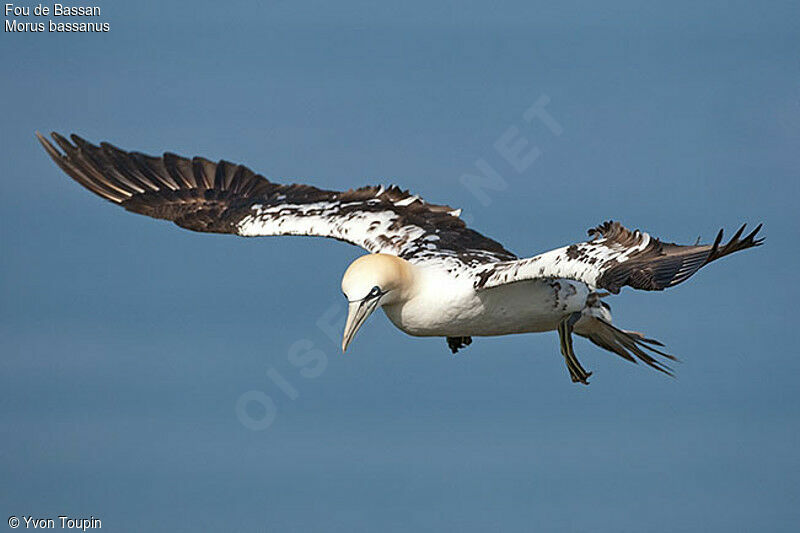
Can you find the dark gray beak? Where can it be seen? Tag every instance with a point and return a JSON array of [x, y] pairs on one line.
[[358, 313]]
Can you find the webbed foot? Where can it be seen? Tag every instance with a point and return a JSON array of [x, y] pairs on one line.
[[576, 372], [456, 343]]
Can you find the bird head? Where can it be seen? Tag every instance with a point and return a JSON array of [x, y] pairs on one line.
[[372, 281]]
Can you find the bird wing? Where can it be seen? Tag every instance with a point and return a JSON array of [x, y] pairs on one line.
[[614, 257], [224, 197]]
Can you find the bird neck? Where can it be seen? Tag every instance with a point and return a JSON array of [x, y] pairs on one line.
[[403, 279]]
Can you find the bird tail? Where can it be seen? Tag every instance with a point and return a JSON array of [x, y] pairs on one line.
[[595, 325]]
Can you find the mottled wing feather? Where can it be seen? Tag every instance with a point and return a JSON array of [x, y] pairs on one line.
[[224, 197], [616, 257]]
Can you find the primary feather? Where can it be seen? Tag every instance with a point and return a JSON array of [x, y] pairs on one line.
[[223, 197]]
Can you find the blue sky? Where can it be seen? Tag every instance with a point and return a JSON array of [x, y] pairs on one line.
[[126, 342]]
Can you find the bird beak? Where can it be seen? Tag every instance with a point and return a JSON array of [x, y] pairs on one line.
[[357, 314]]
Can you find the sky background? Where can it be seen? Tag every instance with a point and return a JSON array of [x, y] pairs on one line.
[[127, 342]]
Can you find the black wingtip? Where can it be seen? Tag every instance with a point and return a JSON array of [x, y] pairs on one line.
[[47, 145], [80, 142], [735, 244], [751, 237], [715, 246], [739, 233]]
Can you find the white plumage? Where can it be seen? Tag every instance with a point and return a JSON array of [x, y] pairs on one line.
[[430, 273]]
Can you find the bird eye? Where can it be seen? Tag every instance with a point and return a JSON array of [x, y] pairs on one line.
[[376, 291]]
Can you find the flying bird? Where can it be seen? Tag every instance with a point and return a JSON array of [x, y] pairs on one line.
[[429, 272]]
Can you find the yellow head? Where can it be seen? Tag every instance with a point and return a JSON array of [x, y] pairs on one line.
[[371, 281]]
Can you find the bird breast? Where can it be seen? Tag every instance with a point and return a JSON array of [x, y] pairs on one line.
[[446, 305]]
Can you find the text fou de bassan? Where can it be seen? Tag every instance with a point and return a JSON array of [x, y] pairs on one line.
[[14, 13]]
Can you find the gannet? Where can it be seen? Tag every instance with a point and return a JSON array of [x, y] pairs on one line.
[[429, 272]]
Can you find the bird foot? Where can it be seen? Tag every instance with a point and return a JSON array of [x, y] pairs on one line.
[[456, 343], [576, 372]]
